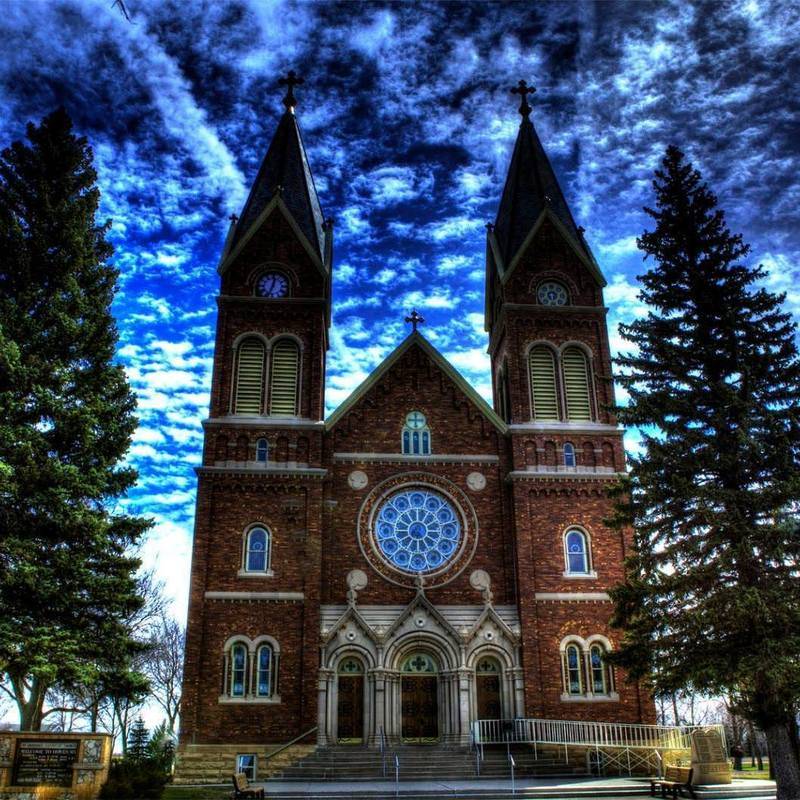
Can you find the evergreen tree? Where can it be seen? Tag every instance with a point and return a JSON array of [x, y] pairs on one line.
[[713, 596], [138, 742], [67, 579]]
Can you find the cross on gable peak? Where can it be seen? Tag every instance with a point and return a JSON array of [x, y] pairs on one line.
[[523, 90], [415, 319], [290, 81]]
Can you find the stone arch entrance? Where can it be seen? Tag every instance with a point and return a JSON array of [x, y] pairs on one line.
[[488, 688], [350, 701], [419, 699]]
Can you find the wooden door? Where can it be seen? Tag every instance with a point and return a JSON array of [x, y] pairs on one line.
[[489, 705], [420, 707], [350, 707]]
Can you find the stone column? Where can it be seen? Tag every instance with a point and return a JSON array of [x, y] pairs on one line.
[[464, 681], [377, 677], [518, 682], [324, 733]]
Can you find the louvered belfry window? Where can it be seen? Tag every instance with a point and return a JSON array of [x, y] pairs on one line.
[[249, 397], [576, 384], [543, 383], [283, 378]]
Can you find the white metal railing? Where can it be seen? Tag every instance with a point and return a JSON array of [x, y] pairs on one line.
[[512, 764], [592, 734]]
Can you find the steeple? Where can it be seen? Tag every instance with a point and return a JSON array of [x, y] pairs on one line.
[[531, 188], [285, 172]]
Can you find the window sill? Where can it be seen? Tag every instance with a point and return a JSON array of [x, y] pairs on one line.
[[580, 576], [243, 573], [613, 697], [250, 700]]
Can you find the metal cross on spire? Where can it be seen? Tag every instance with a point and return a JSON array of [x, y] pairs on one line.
[[523, 90], [415, 319], [290, 81]]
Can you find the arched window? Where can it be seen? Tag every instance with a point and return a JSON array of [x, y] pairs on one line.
[[262, 451], [237, 670], [248, 395], [350, 666], [576, 384], [572, 669], [577, 552], [569, 454], [487, 666], [284, 370], [600, 682], [543, 383], [257, 550], [416, 435], [419, 663], [265, 671]]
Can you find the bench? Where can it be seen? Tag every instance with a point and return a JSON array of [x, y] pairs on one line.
[[242, 788], [675, 780]]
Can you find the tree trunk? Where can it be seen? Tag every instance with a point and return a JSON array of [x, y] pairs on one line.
[[783, 757], [29, 703]]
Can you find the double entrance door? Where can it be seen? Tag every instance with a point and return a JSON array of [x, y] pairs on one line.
[[420, 708]]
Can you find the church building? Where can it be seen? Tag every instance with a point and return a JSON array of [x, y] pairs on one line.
[[419, 560]]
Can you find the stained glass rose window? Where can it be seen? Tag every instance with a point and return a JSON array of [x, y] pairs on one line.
[[417, 530], [552, 293]]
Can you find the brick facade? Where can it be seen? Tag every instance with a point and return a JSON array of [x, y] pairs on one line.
[[306, 496]]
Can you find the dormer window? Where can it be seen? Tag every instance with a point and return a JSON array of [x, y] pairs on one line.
[[552, 293], [416, 435]]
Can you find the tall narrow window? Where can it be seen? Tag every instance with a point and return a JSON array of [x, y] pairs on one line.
[[249, 393], [257, 555], [543, 383], [600, 683], [569, 455], [238, 670], [262, 451], [576, 384], [572, 669], [577, 553], [503, 396], [416, 439], [265, 670], [283, 378]]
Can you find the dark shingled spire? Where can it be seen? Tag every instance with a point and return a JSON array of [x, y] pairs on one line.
[[531, 186], [285, 170]]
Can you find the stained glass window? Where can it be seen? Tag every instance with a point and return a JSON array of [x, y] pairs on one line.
[[350, 666], [599, 685], [264, 661], [577, 557], [238, 669], [551, 293], [417, 530], [574, 683], [416, 435], [419, 663], [257, 551], [569, 454]]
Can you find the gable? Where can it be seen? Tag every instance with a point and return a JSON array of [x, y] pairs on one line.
[[441, 381]]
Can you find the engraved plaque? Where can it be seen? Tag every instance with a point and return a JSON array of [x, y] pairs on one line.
[[44, 762]]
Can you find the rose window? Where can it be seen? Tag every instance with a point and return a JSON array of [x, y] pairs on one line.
[[417, 530], [551, 293]]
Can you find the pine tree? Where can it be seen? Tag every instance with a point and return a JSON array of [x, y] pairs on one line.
[[138, 741], [713, 593], [67, 579]]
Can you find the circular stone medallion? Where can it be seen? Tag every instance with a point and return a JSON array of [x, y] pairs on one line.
[[357, 479], [476, 481]]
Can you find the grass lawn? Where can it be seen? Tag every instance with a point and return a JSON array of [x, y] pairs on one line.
[[749, 771]]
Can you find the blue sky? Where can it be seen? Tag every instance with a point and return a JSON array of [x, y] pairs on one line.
[[409, 123]]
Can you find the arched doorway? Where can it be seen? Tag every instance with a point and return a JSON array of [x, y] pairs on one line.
[[350, 702], [488, 691], [419, 686]]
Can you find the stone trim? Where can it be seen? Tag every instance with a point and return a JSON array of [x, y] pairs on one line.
[[265, 596], [262, 421], [575, 576], [310, 472], [611, 697], [530, 475], [275, 700], [584, 597], [403, 458]]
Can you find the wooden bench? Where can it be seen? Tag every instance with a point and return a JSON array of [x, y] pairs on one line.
[[675, 780], [242, 788]]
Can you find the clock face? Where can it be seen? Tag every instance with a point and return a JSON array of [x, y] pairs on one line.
[[272, 284]]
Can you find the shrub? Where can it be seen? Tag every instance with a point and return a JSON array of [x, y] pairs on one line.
[[142, 779]]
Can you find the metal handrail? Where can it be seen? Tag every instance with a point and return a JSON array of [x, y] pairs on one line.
[[512, 764], [289, 744], [603, 734], [396, 775], [382, 740]]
